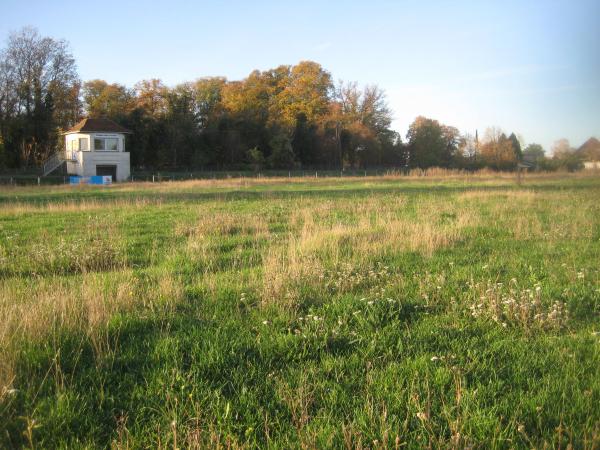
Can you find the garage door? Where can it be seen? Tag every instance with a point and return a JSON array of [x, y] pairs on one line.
[[107, 170]]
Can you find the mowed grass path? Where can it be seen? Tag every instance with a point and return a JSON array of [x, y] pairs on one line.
[[312, 313]]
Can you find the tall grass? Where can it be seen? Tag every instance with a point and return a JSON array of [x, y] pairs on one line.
[[437, 309]]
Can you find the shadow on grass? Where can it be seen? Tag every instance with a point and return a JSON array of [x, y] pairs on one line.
[[325, 192]]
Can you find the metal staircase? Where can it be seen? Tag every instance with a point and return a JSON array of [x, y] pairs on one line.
[[53, 162]]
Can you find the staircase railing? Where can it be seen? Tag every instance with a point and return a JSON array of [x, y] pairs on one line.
[[53, 162]]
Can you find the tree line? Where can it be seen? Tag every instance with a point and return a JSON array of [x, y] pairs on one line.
[[292, 116]]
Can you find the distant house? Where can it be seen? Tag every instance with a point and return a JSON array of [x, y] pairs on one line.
[[93, 147], [590, 154], [97, 147]]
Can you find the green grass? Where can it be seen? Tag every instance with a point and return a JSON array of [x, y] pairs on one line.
[[368, 312]]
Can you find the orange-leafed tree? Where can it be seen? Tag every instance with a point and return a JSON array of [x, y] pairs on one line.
[[497, 150]]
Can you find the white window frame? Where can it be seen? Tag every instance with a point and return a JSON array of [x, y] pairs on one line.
[[79, 144], [103, 148]]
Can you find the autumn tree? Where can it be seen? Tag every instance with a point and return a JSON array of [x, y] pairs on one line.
[[208, 98], [2, 154], [292, 115], [305, 141], [431, 143], [533, 153], [288, 116], [306, 90], [152, 97], [245, 121], [361, 118], [468, 155], [256, 159], [183, 126], [39, 90], [248, 100], [497, 150], [145, 110], [113, 101], [562, 147], [282, 154], [564, 157]]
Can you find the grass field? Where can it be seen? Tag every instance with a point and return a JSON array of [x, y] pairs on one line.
[[390, 312]]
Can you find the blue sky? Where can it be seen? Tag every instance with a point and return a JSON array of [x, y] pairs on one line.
[[532, 67]]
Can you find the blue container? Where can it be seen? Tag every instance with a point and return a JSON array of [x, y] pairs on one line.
[[96, 179]]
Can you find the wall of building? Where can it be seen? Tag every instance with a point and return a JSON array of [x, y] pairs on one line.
[[592, 165], [84, 162], [70, 138], [93, 159]]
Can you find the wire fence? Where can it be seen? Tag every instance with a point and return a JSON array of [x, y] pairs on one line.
[[223, 175], [24, 179], [33, 179]]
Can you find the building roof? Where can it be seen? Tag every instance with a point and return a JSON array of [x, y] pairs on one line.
[[89, 125], [590, 150]]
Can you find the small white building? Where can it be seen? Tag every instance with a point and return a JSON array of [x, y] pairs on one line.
[[97, 147]]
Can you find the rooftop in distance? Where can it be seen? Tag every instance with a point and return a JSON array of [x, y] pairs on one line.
[[89, 125]]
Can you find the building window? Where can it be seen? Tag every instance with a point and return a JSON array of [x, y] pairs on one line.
[[111, 144], [74, 145], [106, 144], [83, 144]]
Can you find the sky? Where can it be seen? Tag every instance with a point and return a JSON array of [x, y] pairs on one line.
[[529, 67]]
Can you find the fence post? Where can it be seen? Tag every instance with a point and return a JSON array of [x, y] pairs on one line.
[[153, 178], [38, 181]]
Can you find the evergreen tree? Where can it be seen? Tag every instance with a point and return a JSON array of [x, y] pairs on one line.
[[516, 146]]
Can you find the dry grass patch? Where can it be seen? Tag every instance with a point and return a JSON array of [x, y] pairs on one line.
[[530, 214], [299, 399], [319, 242], [285, 273], [493, 196], [224, 224], [244, 233], [99, 247], [53, 305], [68, 206]]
